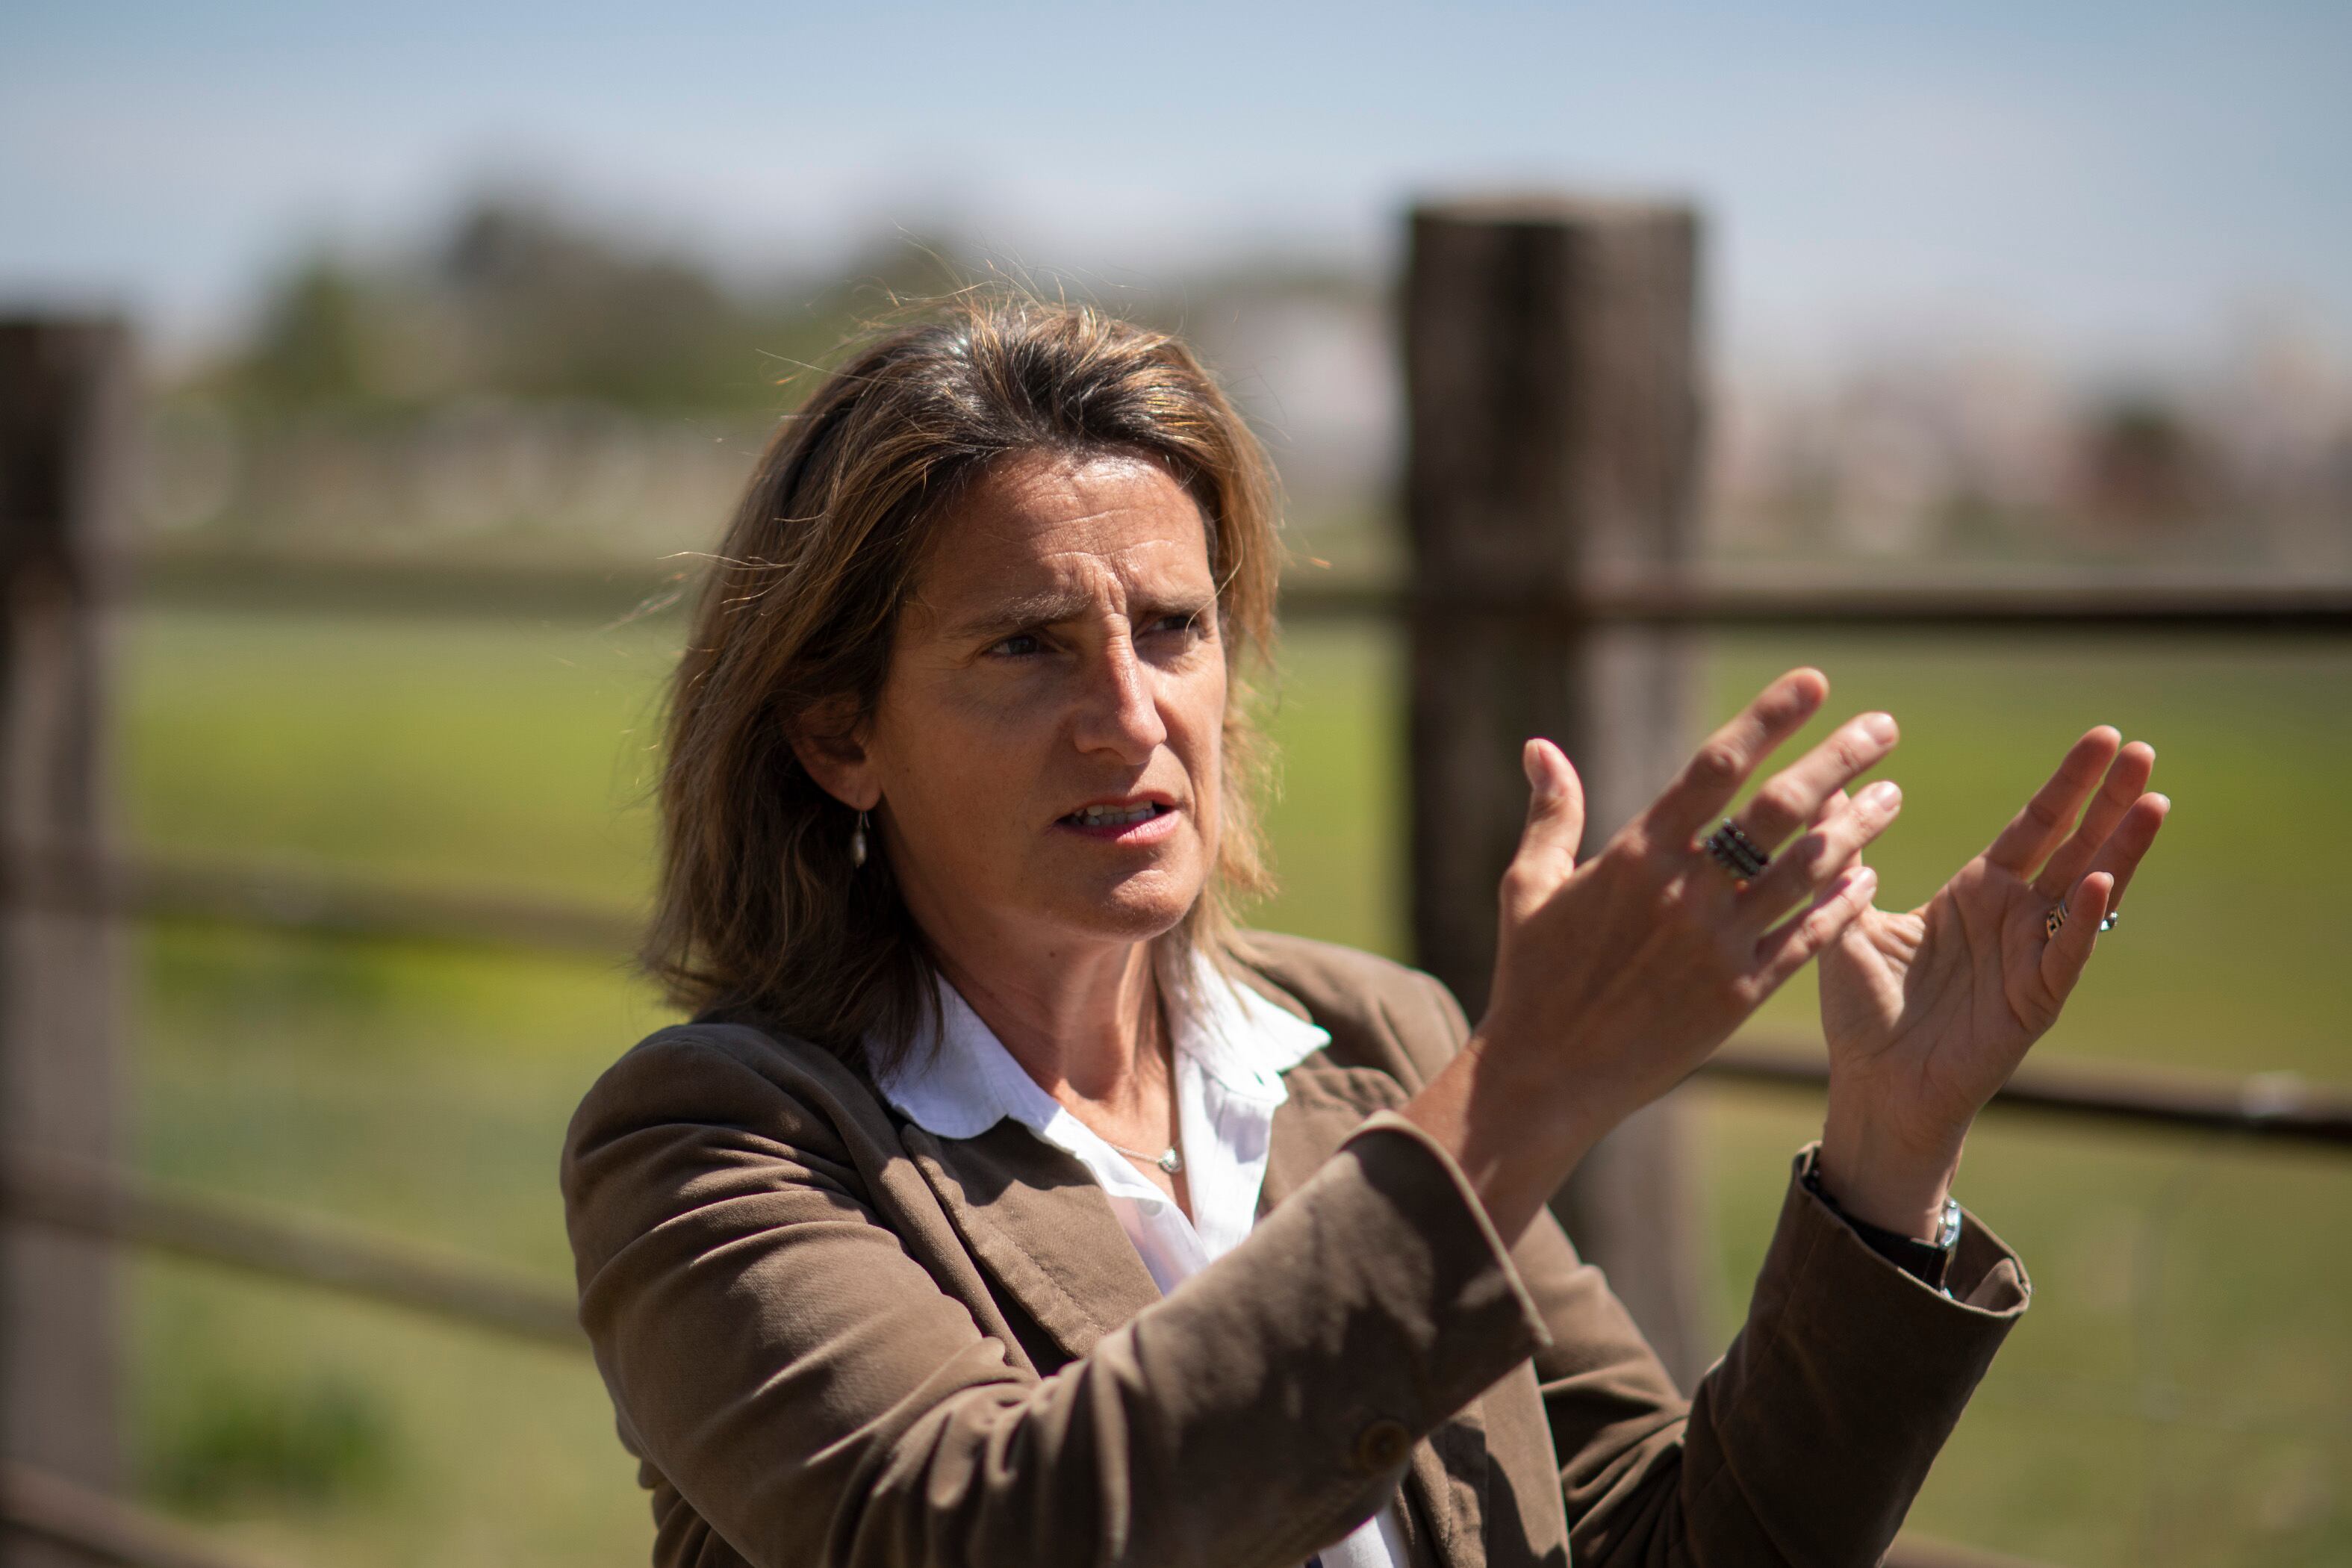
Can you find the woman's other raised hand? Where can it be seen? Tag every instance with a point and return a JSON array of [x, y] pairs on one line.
[[1928, 1011], [1615, 977]]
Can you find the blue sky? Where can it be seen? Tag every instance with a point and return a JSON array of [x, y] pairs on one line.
[[2111, 180]]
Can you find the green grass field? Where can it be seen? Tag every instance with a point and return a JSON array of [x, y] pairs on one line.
[[2180, 1392]]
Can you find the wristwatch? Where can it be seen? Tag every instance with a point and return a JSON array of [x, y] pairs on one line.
[[1926, 1261]]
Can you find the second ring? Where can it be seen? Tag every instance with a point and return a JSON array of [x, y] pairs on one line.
[[1736, 852]]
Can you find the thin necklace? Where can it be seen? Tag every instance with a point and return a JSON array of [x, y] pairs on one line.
[[1167, 1159]]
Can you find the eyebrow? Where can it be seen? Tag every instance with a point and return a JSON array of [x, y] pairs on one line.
[[1055, 606]]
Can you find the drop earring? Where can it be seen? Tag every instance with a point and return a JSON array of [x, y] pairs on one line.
[[857, 841]]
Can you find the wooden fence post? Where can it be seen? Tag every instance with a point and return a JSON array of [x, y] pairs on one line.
[[1552, 372], [64, 411]]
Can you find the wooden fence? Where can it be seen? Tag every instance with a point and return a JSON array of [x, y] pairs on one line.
[[1553, 375]]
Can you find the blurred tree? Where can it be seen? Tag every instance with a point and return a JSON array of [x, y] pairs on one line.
[[313, 344], [2145, 464], [542, 308], [517, 300]]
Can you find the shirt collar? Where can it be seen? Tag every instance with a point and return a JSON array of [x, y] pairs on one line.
[[961, 1081], [1242, 1040]]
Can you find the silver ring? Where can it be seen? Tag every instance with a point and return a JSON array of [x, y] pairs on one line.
[[2056, 918], [1736, 852]]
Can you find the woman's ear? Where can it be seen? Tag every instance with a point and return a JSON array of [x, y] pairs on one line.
[[826, 741]]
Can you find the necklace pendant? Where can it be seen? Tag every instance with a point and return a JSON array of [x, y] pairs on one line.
[[1172, 1161]]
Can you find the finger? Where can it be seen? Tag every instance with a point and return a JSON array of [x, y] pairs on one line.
[[2126, 777], [1829, 808], [2035, 830], [1786, 947], [2120, 852], [1819, 856], [1722, 763], [1795, 793], [2064, 955], [1554, 825]]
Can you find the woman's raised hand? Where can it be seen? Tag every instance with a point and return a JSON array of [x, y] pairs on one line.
[[1928, 1012], [1614, 979]]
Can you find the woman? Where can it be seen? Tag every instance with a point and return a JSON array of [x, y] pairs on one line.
[[1003, 1204]]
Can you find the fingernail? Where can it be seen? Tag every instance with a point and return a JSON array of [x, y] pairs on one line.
[[1885, 791], [1881, 726]]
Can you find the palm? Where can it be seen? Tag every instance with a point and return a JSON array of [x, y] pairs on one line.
[[1935, 1006], [1950, 994]]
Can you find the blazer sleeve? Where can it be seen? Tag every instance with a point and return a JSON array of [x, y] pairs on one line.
[[778, 1354], [1808, 1440]]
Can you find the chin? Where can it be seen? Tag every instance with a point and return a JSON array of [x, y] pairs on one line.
[[1137, 908]]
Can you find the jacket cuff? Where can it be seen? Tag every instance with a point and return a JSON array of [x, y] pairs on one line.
[[1984, 1275], [1486, 1318], [1851, 1367]]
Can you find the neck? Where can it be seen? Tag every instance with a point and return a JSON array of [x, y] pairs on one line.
[[1083, 1022]]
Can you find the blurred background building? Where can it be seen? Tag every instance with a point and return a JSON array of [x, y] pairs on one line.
[[523, 377]]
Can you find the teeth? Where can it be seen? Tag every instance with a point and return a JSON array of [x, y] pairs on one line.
[[1115, 815]]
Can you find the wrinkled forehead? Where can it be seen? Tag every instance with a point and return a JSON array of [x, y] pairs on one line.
[[1054, 528]]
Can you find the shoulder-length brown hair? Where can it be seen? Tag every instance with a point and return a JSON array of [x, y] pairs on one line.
[[760, 911]]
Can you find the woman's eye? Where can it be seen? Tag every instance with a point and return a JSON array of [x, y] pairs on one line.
[[1017, 645], [1175, 623]]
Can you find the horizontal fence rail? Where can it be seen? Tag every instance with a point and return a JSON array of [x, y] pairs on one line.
[[2102, 606], [1714, 598], [94, 1201], [2273, 1107], [290, 898], [108, 1204], [255, 580], [113, 1206], [37, 1506]]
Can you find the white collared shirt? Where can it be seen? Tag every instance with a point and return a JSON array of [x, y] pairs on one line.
[[1231, 1047]]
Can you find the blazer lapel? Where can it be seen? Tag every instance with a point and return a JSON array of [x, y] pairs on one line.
[[1040, 1227], [1445, 1478], [1325, 1103]]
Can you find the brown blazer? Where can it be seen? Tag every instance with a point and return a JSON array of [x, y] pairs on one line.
[[832, 1338]]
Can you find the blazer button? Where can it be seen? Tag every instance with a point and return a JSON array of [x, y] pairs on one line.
[[1381, 1446]]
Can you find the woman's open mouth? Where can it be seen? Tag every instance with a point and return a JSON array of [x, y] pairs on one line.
[[1124, 822]]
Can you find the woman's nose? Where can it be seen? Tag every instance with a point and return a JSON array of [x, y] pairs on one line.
[[1119, 712]]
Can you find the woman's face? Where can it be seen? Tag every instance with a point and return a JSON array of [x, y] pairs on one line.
[[1046, 748]]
